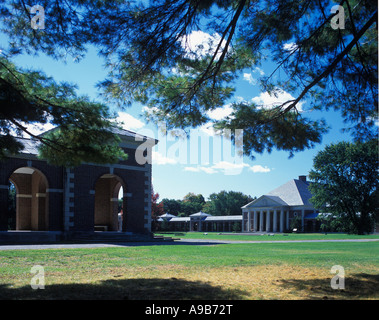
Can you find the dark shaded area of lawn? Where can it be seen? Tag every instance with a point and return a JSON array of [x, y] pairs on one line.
[[357, 286], [124, 289]]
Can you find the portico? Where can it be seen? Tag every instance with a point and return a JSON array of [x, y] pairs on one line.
[[274, 211]]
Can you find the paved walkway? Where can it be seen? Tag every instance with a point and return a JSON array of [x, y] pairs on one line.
[[176, 242]]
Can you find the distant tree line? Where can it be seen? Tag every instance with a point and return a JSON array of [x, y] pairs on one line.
[[223, 203]]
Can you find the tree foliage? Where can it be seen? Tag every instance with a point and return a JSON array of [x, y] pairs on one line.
[[171, 206], [191, 203], [226, 203], [150, 59], [222, 203], [29, 97], [156, 208], [345, 182]]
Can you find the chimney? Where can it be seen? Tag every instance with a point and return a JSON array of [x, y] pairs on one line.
[[303, 178]]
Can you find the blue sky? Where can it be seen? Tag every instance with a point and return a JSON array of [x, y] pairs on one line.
[[174, 177]]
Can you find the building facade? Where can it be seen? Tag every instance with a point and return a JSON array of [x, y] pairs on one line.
[[272, 212], [275, 211], [200, 221], [80, 199]]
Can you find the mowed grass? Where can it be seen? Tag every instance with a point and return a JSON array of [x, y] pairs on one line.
[[226, 271], [267, 237]]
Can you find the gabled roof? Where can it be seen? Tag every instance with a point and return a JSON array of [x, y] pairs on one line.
[[293, 193], [200, 214], [167, 216], [130, 134], [224, 218], [123, 133], [31, 145]]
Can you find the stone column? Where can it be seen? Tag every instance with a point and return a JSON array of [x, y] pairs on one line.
[[255, 220], [275, 222], [302, 220], [268, 224], [249, 221], [3, 207], [261, 221], [68, 214], [281, 220], [287, 219]]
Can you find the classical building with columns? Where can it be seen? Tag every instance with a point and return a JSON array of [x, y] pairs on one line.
[[273, 212]]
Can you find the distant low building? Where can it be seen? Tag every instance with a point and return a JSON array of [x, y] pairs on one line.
[[202, 222], [273, 212]]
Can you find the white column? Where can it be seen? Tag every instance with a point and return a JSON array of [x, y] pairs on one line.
[[261, 221], [268, 226], [275, 222], [302, 220], [255, 220], [287, 219], [248, 221], [281, 220]]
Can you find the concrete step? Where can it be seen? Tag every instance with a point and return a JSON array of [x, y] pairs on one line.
[[114, 237], [11, 237], [15, 237]]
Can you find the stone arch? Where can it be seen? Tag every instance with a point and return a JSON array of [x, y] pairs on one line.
[[32, 199], [106, 208]]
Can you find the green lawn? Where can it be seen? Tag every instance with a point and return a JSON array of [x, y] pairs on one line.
[[227, 271], [265, 237]]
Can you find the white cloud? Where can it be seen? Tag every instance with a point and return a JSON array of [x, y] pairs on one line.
[[208, 170], [290, 46], [129, 122], [216, 114], [228, 168], [199, 44], [275, 99], [225, 165], [249, 78], [207, 128], [220, 113], [192, 169], [259, 70], [259, 168], [160, 159]]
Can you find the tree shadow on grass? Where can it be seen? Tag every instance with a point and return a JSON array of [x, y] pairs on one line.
[[124, 289], [357, 286]]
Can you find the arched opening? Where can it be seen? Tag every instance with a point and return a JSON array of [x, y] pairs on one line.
[[109, 191], [28, 195]]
